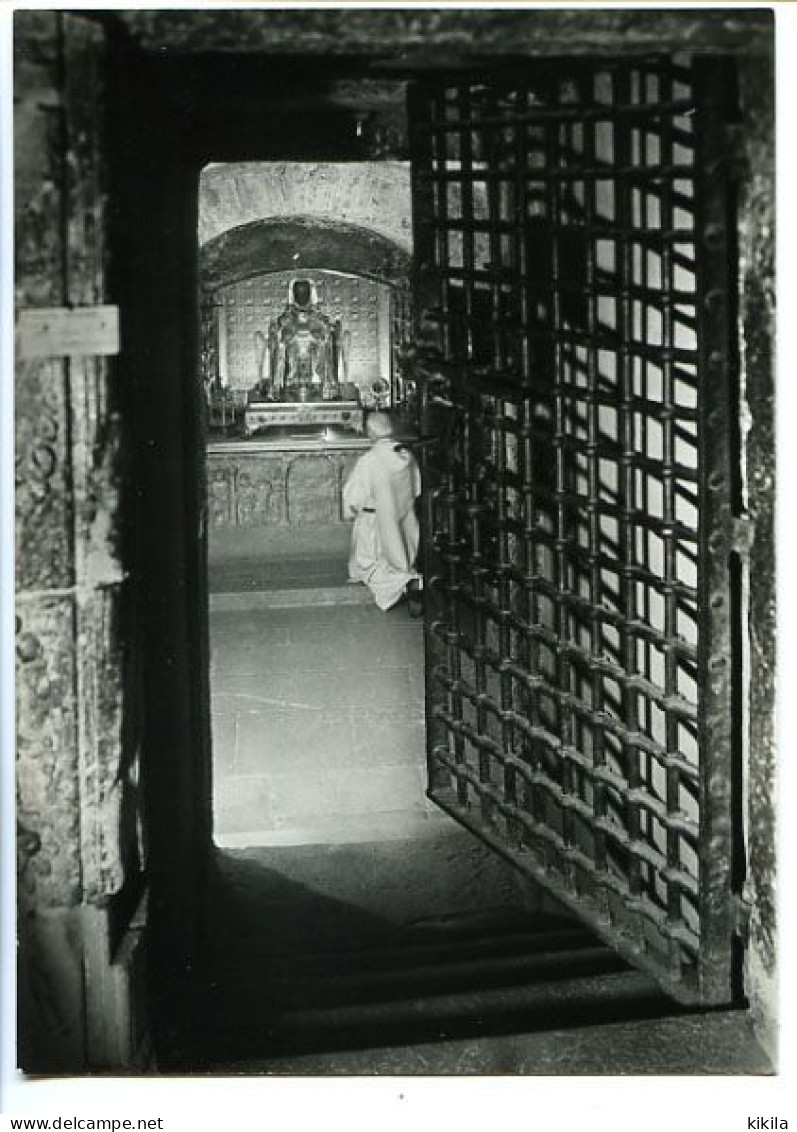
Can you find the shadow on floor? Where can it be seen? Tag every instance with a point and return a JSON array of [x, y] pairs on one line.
[[258, 910], [291, 969]]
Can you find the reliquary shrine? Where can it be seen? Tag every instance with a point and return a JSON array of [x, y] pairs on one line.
[[291, 362]]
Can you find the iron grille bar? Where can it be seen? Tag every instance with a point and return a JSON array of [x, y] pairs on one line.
[[558, 114], [575, 532], [631, 172]]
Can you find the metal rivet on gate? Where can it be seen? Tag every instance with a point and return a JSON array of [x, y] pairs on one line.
[[712, 298], [713, 235], [716, 480]]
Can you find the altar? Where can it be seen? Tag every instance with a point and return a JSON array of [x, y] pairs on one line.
[[295, 361], [271, 493]]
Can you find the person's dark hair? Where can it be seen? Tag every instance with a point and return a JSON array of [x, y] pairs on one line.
[[301, 292]]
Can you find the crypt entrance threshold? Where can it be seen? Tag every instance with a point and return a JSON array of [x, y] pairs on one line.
[[571, 353]]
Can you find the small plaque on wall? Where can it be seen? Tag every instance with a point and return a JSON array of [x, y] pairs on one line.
[[56, 332]]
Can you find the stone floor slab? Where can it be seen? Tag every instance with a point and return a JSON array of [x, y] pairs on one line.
[[283, 739], [321, 706]]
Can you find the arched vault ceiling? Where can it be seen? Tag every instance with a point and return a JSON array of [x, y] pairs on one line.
[[298, 243]]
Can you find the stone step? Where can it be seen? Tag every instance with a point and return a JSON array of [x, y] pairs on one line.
[[720, 1042], [457, 977], [422, 947], [529, 997], [309, 595], [284, 989]]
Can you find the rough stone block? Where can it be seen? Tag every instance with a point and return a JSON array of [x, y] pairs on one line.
[[48, 798]]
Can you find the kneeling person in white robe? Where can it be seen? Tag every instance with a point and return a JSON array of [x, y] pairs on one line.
[[380, 494]]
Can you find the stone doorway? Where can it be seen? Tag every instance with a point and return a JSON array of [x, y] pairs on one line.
[[202, 101], [295, 651]]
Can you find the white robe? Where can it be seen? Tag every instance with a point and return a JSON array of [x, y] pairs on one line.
[[380, 494]]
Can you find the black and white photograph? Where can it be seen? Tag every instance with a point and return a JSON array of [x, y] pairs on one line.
[[394, 615]]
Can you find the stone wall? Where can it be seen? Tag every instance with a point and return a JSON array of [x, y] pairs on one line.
[[72, 765], [368, 194]]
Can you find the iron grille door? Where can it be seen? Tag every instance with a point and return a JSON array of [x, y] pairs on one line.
[[572, 254]]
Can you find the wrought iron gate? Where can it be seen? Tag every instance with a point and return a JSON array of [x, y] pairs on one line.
[[572, 251]]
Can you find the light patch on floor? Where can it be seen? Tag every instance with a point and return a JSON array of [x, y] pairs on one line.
[[318, 726]]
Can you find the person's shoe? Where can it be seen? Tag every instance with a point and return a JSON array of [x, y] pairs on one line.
[[414, 598]]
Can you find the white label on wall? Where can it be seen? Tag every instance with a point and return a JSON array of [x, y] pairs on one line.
[[56, 332]]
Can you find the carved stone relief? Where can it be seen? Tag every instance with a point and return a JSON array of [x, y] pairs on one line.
[[253, 491], [47, 753], [312, 490], [260, 493], [42, 478], [221, 489]]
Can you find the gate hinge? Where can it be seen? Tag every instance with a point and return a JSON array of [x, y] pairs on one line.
[[741, 910]]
